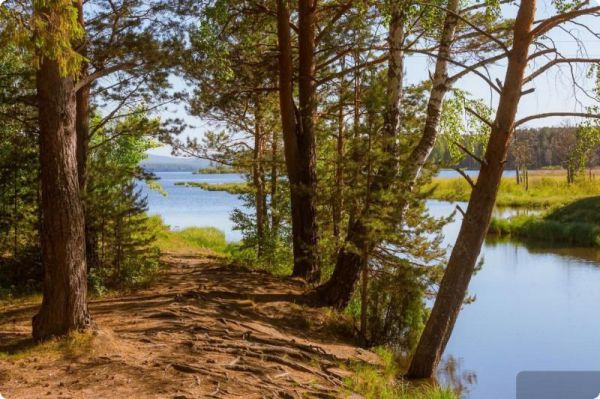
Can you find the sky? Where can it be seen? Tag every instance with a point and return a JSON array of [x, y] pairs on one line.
[[553, 91]]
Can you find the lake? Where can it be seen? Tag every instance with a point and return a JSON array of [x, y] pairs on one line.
[[536, 307], [191, 206]]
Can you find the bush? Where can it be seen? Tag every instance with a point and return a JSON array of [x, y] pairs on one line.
[[21, 275]]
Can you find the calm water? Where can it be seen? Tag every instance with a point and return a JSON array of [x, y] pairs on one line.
[[445, 173], [536, 308], [192, 206]]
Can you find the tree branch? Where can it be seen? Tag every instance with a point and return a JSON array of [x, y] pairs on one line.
[[547, 24], [332, 21], [553, 114], [102, 73], [557, 61], [466, 176], [469, 153], [478, 116]]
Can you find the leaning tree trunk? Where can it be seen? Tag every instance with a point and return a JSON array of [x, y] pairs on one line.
[[338, 290], [476, 221], [440, 86], [298, 136], [64, 306]]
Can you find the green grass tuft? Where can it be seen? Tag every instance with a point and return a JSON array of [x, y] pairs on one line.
[[383, 382], [192, 238], [73, 345]]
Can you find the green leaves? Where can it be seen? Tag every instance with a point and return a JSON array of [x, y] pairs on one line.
[[48, 29], [563, 6], [462, 124]]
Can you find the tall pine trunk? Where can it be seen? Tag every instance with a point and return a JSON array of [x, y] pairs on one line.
[[82, 127], [298, 136], [476, 220], [258, 178], [274, 186], [64, 306], [338, 193]]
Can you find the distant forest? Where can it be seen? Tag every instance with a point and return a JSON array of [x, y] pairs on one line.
[[545, 147]]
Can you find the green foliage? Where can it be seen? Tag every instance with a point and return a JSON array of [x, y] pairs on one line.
[[20, 265], [457, 119], [47, 28], [272, 252], [576, 224], [124, 253], [536, 148], [406, 257]]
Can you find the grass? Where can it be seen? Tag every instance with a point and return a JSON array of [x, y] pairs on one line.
[[193, 238], [545, 190], [383, 383], [10, 298], [196, 239], [575, 224], [231, 188], [74, 345]]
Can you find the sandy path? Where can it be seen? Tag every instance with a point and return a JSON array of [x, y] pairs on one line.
[[205, 331]]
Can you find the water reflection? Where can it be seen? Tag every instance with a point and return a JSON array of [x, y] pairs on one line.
[[451, 374], [585, 254]]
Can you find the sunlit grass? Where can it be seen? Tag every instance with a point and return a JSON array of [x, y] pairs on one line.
[[198, 239], [73, 345], [543, 191], [576, 224], [384, 381]]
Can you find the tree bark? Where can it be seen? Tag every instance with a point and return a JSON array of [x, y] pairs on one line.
[[82, 127], [274, 186], [440, 86], [64, 306], [258, 177], [476, 221], [338, 195], [298, 136]]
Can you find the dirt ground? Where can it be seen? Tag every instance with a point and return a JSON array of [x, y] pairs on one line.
[[206, 330]]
